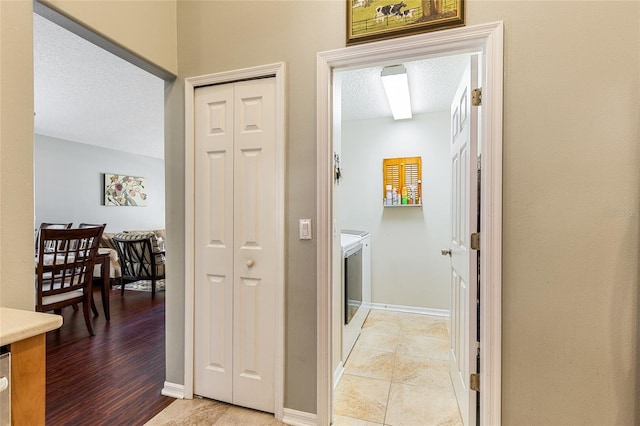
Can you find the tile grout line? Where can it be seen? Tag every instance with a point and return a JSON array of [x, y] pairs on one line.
[[393, 370]]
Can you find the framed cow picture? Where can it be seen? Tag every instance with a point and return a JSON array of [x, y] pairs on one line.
[[369, 20]]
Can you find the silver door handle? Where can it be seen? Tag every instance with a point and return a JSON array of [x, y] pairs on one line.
[[446, 252], [250, 263]]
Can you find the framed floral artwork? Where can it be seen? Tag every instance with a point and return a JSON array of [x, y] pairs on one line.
[[124, 190], [369, 20]]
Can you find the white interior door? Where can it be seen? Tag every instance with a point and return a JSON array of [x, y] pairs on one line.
[[235, 236], [462, 354]]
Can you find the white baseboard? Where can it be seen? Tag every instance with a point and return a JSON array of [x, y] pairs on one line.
[[337, 375], [299, 418], [173, 390], [410, 309]]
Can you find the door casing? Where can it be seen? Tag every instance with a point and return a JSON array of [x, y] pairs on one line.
[[484, 38], [278, 71]]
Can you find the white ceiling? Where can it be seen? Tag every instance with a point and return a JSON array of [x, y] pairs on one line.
[[85, 94], [432, 84], [88, 95]]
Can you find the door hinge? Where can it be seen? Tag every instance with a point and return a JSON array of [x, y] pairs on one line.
[[474, 382], [476, 97], [475, 241]]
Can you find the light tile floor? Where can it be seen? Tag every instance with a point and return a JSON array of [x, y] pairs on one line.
[[397, 374], [205, 412]]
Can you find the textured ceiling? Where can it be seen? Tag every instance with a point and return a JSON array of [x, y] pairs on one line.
[[432, 84], [88, 95], [85, 94]]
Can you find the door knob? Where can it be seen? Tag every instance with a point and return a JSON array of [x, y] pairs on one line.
[[250, 263], [446, 252]]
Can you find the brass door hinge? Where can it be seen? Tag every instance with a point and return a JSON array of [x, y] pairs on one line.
[[476, 97], [474, 382], [475, 241]]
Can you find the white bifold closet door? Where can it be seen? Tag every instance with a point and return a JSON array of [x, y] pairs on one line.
[[235, 225]]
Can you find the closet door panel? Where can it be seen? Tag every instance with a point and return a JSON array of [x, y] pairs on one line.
[[213, 353], [254, 233]]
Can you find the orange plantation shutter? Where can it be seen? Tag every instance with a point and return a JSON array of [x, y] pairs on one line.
[[391, 174]]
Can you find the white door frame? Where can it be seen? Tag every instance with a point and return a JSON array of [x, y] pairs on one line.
[[278, 71], [487, 38]]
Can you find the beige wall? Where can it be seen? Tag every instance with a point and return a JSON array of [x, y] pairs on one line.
[[145, 27], [220, 36], [571, 186], [16, 155], [571, 211], [571, 199], [571, 172]]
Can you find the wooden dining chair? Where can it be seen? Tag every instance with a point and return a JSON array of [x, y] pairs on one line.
[[45, 225], [64, 270], [91, 225]]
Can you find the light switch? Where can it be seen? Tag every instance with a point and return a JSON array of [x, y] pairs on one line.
[[305, 229]]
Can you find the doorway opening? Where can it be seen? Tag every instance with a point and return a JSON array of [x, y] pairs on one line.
[[487, 40], [401, 342], [73, 76]]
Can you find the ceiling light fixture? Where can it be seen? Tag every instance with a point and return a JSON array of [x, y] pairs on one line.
[[396, 86]]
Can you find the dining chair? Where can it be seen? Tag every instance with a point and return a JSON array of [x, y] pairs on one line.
[[91, 225], [64, 269], [138, 260], [45, 225]]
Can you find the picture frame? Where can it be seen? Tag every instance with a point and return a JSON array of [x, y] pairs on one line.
[[124, 190], [370, 20]]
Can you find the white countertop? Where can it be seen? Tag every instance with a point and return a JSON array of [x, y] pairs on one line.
[[17, 324]]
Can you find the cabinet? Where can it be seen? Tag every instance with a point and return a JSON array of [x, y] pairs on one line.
[[402, 181], [23, 332]]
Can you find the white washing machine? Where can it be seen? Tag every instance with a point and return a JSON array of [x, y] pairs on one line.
[[356, 284], [365, 239]]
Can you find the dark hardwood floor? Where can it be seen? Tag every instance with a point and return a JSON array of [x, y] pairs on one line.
[[114, 377]]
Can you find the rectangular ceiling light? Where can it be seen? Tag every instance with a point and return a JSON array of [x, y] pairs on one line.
[[396, 86]]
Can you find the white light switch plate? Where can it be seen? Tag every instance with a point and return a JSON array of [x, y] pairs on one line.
[[305, 229]]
